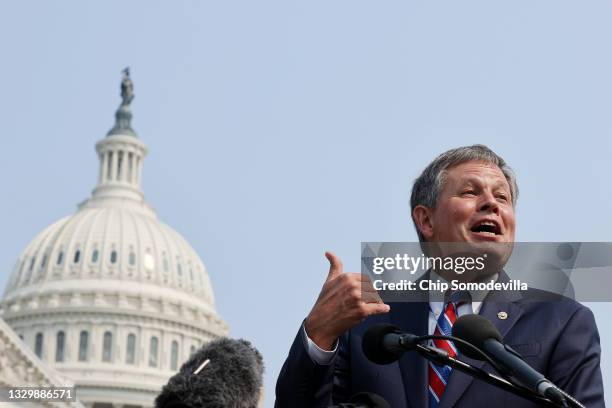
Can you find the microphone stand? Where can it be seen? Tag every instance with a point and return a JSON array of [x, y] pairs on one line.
[[441, 357]]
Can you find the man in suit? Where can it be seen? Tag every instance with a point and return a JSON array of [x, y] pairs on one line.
[[466, 195]]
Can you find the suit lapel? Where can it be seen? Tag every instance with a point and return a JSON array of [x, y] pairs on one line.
[[412, 317], [495, 303]]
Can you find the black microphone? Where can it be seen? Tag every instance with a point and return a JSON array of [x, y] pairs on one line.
[[364, 400], [384, 343], [480, 332], [223, 373]]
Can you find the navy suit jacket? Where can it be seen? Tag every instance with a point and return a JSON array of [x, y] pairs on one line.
[[558, 338]]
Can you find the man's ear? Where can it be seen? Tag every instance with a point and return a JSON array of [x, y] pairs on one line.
[[422, 217]]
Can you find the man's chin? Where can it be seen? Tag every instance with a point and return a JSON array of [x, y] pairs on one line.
[[489, 257], [497, 246], [496, 253]]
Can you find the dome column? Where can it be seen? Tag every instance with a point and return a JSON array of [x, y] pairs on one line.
[[113, 154], [101, 172], [138, 170]]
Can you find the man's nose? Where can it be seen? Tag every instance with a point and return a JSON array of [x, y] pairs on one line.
[[489, 203]]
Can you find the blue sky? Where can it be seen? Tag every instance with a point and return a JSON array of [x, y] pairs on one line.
[[278, 130]]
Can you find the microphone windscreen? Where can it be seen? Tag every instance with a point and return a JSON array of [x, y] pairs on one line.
[[370, 400], [474, 329], [373, 347], [231, 378]]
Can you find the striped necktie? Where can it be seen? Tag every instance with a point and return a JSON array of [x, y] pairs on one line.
[[438, 375]]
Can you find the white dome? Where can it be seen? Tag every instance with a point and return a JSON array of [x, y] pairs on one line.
[[110, 296], [116, 251]]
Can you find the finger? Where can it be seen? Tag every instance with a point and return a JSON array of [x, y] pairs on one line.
[[359, 277], [370, 297], [367, 286], [335, 265], [377, 308], [359, 280], [368, 289]]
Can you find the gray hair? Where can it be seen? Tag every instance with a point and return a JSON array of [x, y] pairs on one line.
[[429, 184]]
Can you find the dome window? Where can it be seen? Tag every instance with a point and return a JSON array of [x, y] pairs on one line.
[[153, 345], [113, 257], [179, 270], [60, 340], [83, 345], [44, 261], [192, 350], [174, 355], [94, 256], [132, 258], [165, 264], [38, 345], [130, 355], [107, 347], [149, 262], [32, 263], [77, 256], [60, 258]]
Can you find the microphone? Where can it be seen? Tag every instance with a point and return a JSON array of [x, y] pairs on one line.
[[384, 343], [364, 400], [223, 373], [480, 332]]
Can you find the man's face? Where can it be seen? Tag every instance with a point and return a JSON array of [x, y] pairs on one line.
[[474, 206]]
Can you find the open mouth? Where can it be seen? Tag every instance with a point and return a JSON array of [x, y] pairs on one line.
[[487, 227]]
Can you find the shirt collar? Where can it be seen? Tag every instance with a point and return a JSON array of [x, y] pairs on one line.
[[436, 304]]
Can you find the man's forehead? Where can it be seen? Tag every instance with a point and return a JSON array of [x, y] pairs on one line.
[[476, 171]]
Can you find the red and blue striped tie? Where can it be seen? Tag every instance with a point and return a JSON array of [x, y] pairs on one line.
[[438, 375]]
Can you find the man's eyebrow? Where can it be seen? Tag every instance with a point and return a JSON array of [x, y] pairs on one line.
[[470, 180]]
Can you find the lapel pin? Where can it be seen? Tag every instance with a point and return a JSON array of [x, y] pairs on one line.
[[502, 315]]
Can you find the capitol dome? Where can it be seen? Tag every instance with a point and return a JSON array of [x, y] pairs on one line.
[[110, 296]]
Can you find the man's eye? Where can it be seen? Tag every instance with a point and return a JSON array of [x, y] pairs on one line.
[[502, 197], [469, 193]]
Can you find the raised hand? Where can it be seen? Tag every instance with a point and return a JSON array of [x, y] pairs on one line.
[[345, 300]]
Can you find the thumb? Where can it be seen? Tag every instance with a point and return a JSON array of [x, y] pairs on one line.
[[335, 265]]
